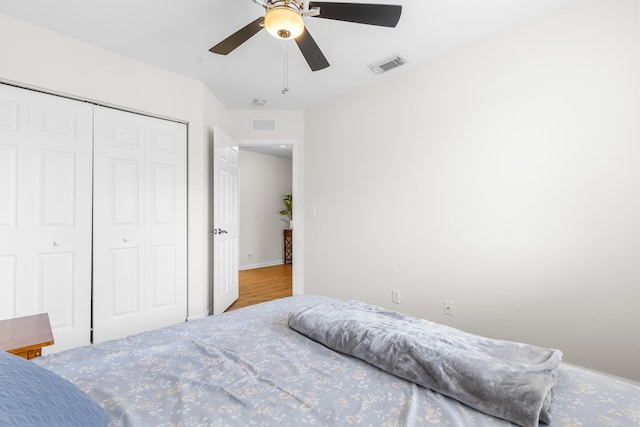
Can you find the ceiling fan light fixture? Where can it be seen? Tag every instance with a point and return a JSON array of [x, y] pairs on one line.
[[284, 23]]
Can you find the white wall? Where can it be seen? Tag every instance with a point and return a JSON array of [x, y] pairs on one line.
[[504, 177], [289, 125], [263, 181], [35, 57]]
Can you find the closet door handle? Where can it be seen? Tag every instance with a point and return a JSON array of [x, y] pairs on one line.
[[56, 243], [125, 240]]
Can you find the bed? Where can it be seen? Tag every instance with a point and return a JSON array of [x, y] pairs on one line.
[[248, 367]]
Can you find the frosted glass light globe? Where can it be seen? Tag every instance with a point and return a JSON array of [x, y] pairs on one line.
[[284, 23]]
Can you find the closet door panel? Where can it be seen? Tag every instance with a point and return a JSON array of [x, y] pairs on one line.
[[57, 172], [163, 194], [118, 245], [8, 186], [164, 293], [56, 285], [8, 275], [124, 280], [125, 189], [10, 108], [46, 144], [165, 223], [61, 137], [14, 227]]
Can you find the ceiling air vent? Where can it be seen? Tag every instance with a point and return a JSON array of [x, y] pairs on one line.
[[263, 125], [387, 64]]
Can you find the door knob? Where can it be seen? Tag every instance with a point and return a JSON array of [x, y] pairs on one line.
[[125, 240], [56, 243], [219, 231]]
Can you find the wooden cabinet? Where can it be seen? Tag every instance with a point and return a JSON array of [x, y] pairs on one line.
[[288, 246], [25, 336]]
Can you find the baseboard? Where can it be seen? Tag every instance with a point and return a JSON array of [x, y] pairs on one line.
[[606, 374], [261, 265]]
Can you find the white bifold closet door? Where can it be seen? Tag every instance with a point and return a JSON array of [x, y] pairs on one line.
[[45, 212], [139, 231]]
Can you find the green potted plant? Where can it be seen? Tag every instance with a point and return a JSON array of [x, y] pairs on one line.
[[287, 202]]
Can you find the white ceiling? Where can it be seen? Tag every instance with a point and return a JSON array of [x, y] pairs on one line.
[[177, 34]]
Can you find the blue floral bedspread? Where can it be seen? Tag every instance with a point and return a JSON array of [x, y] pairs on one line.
[[247, 368]]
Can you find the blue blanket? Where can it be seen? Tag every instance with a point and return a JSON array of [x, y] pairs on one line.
[[508, 380]]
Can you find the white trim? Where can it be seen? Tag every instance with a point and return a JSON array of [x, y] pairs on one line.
[[267, 142], [615, 377], [88, 100], [261, 265]]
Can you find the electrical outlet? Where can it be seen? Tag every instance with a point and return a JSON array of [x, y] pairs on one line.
[[395, 297], [448, 307], [249, 255]]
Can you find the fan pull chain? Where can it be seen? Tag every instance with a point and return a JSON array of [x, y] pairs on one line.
[[285, 75]]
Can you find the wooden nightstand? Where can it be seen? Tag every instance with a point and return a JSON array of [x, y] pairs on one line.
[[288, 246], [25, 336]]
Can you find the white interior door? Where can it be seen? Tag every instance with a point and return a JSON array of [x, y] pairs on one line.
[[45, 213], [225, 220], [139, 246]]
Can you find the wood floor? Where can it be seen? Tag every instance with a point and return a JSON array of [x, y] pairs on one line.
[[263, 284]]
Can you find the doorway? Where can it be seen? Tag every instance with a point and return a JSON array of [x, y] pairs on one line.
[[268, 170]]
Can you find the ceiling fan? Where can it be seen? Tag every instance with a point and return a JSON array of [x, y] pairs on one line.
[[283, 19]]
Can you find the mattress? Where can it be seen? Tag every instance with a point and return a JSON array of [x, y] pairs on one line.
[[247, 367]]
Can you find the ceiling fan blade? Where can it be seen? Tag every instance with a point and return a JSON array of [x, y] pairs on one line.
[[311, 51], [227, 45], [384, 15]]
